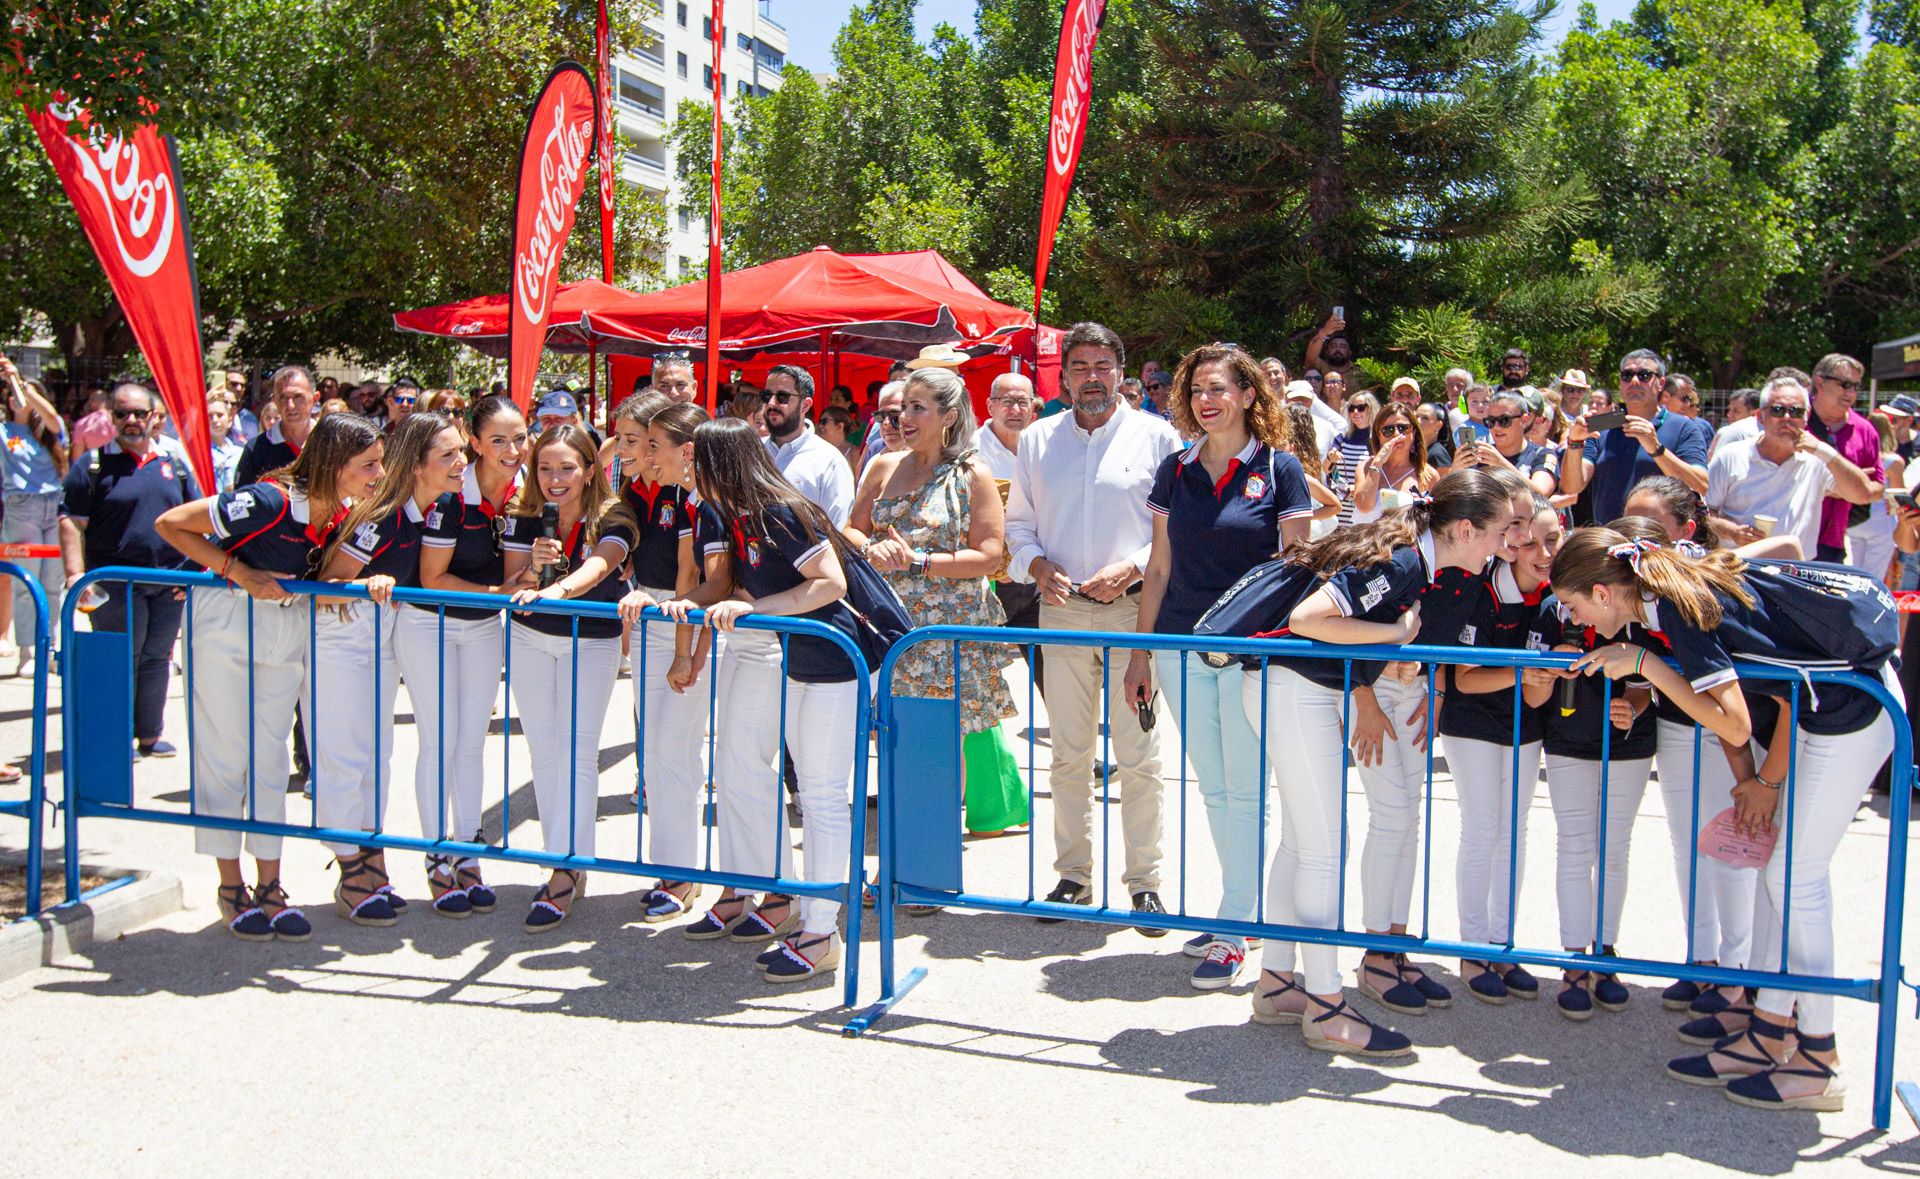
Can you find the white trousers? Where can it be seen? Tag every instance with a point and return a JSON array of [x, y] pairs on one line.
[[233, 680], [673, 728], [747, 781], [1303, 883], [1395, 787], [1831, 775], [452, 678], [1573, 786], [1490, 841], [561, 689], [351, 783], [1722, 925]]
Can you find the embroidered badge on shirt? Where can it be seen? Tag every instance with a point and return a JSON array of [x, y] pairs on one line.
[[1256, 486], [166, 469], [1376, 593], [1468, 634], [753, 553], [240, 505], [1535, 642], [434, 516], [366, 536], [666, 515]]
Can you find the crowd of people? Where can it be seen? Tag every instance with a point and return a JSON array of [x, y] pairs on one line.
[[1612, 523]]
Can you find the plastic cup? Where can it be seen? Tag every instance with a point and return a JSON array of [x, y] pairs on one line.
[[1765, 525]]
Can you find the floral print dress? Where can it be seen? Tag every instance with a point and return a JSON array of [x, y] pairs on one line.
[[935, 517]]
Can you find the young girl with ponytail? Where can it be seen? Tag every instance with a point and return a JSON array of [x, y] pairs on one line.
[[1374, 578], [1711, 610]]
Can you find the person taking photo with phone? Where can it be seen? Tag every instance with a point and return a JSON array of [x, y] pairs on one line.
[[1612, 454]]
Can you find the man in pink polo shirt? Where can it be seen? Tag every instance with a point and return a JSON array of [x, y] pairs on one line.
[[1836, 386]]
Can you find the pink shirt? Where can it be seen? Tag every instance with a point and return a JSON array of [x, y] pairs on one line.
[[1859, 443], [92, 430]]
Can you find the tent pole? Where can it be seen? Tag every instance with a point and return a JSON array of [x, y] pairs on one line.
[[593, 385], [820, 393]]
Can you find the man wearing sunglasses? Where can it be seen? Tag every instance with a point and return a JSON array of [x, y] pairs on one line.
[[403, 397], [1833, 420], [1775, 484], [1508, 420], [1652, 442], [811, 463]]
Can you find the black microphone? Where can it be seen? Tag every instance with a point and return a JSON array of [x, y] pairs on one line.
[[1567, 688], [550, 528]]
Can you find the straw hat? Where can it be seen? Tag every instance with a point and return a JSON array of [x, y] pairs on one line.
[[939, 356]]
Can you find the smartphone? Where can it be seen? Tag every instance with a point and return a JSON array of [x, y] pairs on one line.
[[1613, 419], [1463, 437], [1902, 498], [1339, 312]]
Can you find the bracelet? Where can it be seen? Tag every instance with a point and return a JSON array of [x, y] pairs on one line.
[[1767, 784], [224, 566], [1638, 660], [923, 560]]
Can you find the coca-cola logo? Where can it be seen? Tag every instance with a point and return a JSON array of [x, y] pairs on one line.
[[1078, 41], [468, 329], [692, 335], [563, 163], [136, 192]]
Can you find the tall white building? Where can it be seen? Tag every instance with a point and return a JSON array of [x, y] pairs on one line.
[[675, 62]]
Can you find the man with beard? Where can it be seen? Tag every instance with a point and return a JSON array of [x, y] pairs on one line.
[[810, 462], [1515, 368], [1080, 530], [109, 502]]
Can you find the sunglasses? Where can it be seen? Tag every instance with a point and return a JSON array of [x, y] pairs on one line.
[[888, 417], [1501, 421], [1358, 406], [782, 398], [407, 402], [1849, 386], [1787, 411], [1638, 374], [1395, 428], [125, 414]]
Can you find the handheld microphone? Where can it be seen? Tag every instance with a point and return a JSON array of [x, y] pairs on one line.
[[1567, 688], [550, 528]]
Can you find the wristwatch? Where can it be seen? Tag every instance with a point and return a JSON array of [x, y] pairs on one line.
[[1661, 451], [921, 559]]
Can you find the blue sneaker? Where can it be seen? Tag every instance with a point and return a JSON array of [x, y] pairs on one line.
[[1197, 945], [157, 749], [1220, 967]]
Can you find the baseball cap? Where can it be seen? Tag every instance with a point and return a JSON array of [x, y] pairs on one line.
[[1300, 389], [1407, 382], [1903, 405], [557, 402]]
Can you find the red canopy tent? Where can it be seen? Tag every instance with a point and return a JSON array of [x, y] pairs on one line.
[[481, 323]]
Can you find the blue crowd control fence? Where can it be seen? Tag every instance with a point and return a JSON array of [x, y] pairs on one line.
[[32, 807], [97, 669], [919, 820]]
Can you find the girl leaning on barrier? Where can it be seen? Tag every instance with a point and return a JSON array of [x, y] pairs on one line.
[[249, 653], [784, 561], [1712, 610], [378, 547], [1478, 724], [1221, 507], [564, 667], [1375, 578], [666, 674], [453, 655]]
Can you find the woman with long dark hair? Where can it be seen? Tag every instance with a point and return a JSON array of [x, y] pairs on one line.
[[356, 664], [1374, 578], [564, 667], [250, 653], [786, 561], [453, 656]]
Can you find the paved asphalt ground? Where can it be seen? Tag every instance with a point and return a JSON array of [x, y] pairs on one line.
[[470, 1047]]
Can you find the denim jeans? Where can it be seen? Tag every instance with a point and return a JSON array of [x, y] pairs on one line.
[[1225, 753], [34, 519]]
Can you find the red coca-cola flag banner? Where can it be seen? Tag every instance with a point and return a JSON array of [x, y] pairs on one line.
[[609, 163], [1067, 130], [553, 174], [126, 191], [713, 374]]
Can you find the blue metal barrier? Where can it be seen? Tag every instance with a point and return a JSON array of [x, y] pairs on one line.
[[31, 807], [96, 668], [920, 862]]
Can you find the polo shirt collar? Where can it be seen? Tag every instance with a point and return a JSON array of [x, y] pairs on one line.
[[1192, 453], [275, 435], [1423, 544], [413, 511], [297, 506]]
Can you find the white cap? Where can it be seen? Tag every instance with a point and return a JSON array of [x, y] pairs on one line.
[[1300, 389]]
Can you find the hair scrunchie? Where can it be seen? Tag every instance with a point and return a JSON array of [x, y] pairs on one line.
[[1631, 551]]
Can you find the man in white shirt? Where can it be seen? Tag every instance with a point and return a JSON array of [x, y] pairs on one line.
[[1079, 528], [1743, 420], [1785, 474], [1324, 432], [811, 463], [1010, 407]]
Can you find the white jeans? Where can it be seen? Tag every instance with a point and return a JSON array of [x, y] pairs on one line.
[[231, 681], [1483, 777], [1722, 925], [1303, 883], [1573, 786], [1832, 774], [673, 729], [820, 735], [450, 773], [562, 699], [747, 782], [1395, 786], [351, 783]]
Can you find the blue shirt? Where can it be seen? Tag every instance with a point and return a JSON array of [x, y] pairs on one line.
[[767, 556], [1588, 729], [266, 454], [30, 469], [389, 547], [266, 525], [1218, 531], [472, 528], [1382, 593], [522, 531], [665, 519], [1619, 461], [116, 497], [1499, 621]]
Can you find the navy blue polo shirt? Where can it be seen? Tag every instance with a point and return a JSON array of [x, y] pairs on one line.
[[1373, 593], [1582, 734], [266, 525], [117, 496], [472, 528], [266, 454], [522, 531], [1218, 531], [389, 547], [1535, 457], [767, 556], [1502, 620], [1706, 659], [665, 520], [1619, 462]]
